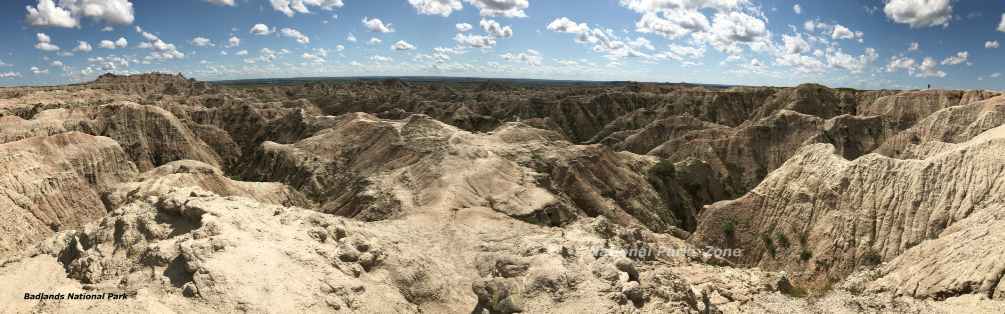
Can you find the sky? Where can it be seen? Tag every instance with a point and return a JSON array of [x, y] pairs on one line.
[[868, 44]]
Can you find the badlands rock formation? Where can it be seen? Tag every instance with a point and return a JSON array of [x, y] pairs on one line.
[[498, 197]]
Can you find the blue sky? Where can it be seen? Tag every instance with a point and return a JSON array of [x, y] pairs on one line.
[[864, 44]]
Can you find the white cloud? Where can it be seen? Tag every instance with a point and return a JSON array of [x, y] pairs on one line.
[[37, 71], [376, 25], [160, 50], [107, 44], [996, 75], [476, 41], [960, 57], [375, 41], [565, 25], [292, 7], [45, 43], [991, 44], [436, 7], [841, 32], [798, 9], [928, 69], [261, 30], [242, 53], [669, 5], [795, 44], [56, 64], [1001, 25], [531, 57], [121, 42], [914, 46], [381, 59], [920, 13], [900, 63], [10, 74], [495, 29], [504, 8], [201, 42], [350, 38], [841, 60], [83, 46], [295, 34], [234, 41], [673, 24], [69, 12], [229, 3], [402, 45], [734, 28], [687, 52]]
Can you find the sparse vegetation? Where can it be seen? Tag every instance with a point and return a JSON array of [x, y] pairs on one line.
[[768, 244], [665, 169], [782, 240], [729, 228], [871, 258], [805, 255]]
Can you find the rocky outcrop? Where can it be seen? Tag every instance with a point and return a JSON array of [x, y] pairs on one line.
[[827, 216], [55, 182]]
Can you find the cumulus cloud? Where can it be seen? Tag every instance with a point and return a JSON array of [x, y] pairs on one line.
[[841, 60], [686, 52], [928, 68], [731, 29], [991, 44], [795, 44], [920, 13], [295, 34], [798, 9], [436, 7], [37, 71], [261, 30], [402, 45], [900, 63], [45, 43], [10, 74], [565, 25], [495, 29], [350, 38], [841, 32], [669, 5], [292, 7], [503, 8], [229, 3], [242, 53], [160, 50], [83, 46], [914, 46], [960, 57], [531, 57], [376, 25], [463, 27], [69, 12], [1001, 25], [201, 42], [673, 24], [381, 59], [475, 41], [234, 41], [604, 41], [375, 41]]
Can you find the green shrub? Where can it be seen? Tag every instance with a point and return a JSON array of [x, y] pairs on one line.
[[782, 240], [729, 228], [663, 169], [805, 255]]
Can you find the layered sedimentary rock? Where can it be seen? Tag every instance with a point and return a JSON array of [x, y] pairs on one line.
[[833, 215], [54, 182]]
